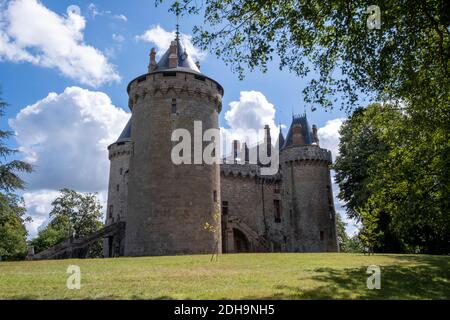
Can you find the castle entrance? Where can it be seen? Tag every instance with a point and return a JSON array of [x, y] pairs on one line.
[[241, 243]]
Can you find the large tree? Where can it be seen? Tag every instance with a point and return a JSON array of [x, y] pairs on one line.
[[12, 210], [73, 214], [406, 57], [394, 179]]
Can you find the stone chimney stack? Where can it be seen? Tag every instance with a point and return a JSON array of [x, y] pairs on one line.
[[297, 136], [152, 64], [268, 140], [173, 56], [236, 148], [315, 136]]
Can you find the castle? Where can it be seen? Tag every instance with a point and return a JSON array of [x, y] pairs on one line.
[[164, 206]]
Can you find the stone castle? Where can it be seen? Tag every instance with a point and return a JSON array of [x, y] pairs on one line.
[[163, 207]]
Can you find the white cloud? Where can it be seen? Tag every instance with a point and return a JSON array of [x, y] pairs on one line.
[[329, 136], [162, 38], [29, 32], [66, 137], [94, 11], [246, 119], [118, 37]]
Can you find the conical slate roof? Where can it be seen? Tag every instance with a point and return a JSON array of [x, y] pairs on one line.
[[126, 133], [306, 130], [280, 140], [185, 62]]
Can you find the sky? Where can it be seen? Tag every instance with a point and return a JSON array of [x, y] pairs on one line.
[[64, 69]]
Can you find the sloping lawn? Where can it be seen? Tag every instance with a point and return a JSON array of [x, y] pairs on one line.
[[234, 276]]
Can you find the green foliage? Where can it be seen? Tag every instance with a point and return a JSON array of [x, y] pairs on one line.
[[393, 176], [9, 178], [352, 245], [342, 235], [73, 214], [407, 57], [83, 211], [13, 233], [12, 208], [56, 231]]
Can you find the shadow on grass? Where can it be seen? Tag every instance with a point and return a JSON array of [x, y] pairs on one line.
[[428, 278]]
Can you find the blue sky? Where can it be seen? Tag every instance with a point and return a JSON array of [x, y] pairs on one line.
[[106, 32]]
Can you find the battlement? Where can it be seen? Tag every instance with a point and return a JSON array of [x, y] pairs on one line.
[[180, 82], [305, 153], [120, 148]]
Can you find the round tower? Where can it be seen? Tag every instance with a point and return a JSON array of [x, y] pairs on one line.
[[116, 209], [169, 204], [307, 193]]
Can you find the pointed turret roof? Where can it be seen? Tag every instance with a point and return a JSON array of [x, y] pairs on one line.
[[126, 133], [306, 130], [280, 140], [184, 61]]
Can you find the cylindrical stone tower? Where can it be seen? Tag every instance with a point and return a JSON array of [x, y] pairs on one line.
[[307, 193], [116, 209], [169, 204]]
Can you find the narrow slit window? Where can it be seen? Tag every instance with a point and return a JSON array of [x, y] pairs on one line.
[[174, 106], [215, 196], [321, 235], [111, 209]]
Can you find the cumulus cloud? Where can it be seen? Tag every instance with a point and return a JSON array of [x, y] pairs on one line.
[[29, 32], [65, 136], [246, 119], [162, 38], [94, 11], [329, 136]]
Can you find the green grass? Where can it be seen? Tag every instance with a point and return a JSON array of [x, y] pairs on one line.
[[238, 276]]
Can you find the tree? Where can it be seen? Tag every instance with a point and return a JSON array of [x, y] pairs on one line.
[[12, 208], [9, 178], [73, 214], [13, 233], [55, 232], [342, 234], [406, 57]]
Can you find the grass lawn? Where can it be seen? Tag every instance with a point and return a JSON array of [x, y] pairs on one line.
[[234, 276]]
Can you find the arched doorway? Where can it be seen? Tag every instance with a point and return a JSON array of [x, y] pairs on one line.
[[241, 243]]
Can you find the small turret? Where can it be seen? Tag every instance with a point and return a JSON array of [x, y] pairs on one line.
[[152, 64]]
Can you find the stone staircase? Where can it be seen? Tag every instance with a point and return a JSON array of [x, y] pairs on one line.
[[78, 248]]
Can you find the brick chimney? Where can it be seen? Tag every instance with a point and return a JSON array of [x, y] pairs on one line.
[[173, 56], [152, 64]]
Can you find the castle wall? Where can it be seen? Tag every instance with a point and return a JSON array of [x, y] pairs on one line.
[[169, 204], [307, 198], [250, 201]]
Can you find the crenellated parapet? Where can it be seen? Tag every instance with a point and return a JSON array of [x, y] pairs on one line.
[[307, 154], [119, 149], [245, 170], [180, 83]]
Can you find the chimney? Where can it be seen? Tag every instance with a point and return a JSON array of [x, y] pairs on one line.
[[236, 149], [297, 136], [315, 136], [152, 65], [173, 56], [268, 140]]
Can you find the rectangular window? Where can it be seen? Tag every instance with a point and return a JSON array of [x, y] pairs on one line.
[[215, 196], [276, 204], [174, 106], [110, 213], [224, 208], [321, 235], [117, 188]]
